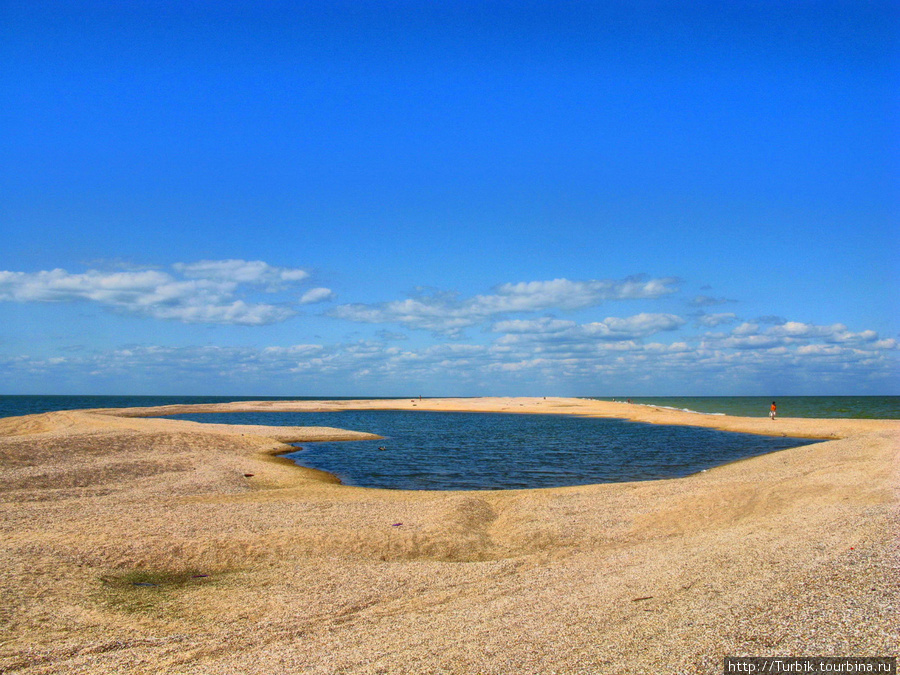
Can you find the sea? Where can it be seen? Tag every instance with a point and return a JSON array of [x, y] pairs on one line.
[[857, 407], [424, 450]]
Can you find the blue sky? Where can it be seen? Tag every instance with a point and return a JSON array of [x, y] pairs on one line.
[[449, 198]]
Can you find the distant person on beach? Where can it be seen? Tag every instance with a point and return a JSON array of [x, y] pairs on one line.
[[772, 410]]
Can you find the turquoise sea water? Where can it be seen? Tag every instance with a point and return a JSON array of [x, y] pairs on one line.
[[873, 407], [868, 407], [11, 406]]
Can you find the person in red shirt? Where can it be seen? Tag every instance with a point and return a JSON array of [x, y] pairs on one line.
[[772, 410]]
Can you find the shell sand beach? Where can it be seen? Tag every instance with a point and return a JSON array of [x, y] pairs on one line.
[[136, 545]]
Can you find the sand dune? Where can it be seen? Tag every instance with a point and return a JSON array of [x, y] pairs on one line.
[[138, 545]]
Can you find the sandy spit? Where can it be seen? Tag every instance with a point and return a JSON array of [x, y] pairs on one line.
[[138, 545]]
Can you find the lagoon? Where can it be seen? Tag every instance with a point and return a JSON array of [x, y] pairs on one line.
[[484, 451]]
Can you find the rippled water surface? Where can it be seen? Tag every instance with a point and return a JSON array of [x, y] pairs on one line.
[[476, 451]]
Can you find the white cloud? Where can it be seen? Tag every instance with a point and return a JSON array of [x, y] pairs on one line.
[[708, 301], [60, 286], [797, 329], [294, 350], [751, 342], [795, 333], [240, 271], [208, 291], [819, 350], [553, 331], [445, 313], [533, 359], [746, 329], [519, 347], [565, 294], [534, 326], [237, 312], [641, 324], [713, 320], [316, 295]]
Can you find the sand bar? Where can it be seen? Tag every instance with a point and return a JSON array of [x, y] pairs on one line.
[[139, 545]]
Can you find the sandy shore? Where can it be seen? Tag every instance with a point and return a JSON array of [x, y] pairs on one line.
[[135, 545]]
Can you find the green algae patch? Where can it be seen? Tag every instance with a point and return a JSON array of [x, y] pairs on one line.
[[157, 592]]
